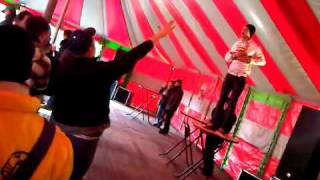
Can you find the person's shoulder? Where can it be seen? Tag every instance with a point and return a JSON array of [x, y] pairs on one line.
[[60, 156], [253, 44]]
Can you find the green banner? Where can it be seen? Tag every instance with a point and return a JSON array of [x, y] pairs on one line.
[[272, 99]]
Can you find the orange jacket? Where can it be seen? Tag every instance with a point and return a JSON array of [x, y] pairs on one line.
[[20, 127]]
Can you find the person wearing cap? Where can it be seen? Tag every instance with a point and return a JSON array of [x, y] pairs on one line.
[[20, 125], [243, 54], [10, 14], [81, 87]]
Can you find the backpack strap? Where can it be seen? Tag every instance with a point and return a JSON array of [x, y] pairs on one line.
[[37, 153]]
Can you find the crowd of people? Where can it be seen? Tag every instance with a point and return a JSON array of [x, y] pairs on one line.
[[64, 147], [79, 86]]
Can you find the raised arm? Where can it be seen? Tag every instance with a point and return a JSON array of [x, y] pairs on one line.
[[127, 61]]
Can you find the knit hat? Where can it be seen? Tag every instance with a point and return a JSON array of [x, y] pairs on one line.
[[80, 40], [16, 51], [251, 28]]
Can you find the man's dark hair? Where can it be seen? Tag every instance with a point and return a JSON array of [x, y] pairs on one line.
[[67, 33], [37, 25], [81, 40], [251, 28], [16, 51], [179, 81], [22, 15]]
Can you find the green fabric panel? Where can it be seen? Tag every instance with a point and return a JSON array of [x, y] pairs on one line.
[[237, 128], [272, 99], [114, 45]]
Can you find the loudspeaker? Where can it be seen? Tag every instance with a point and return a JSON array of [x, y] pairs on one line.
[[122, 95], [245, 175], [301, 157]]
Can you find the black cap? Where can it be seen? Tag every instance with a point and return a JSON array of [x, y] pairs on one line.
[[251, 28], [80, 40], [16, 51]]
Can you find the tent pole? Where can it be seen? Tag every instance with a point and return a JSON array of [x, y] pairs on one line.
[[51, 6], [61, 18]]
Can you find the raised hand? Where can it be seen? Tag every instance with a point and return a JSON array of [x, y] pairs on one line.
[[164, 31]]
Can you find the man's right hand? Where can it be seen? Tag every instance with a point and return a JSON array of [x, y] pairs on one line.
[[241, 56]]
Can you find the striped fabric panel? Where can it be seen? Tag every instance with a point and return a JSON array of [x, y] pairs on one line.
[[229, 10], [315, 6], [93, 16], [134, 31], [279, 50], [256, 134], [172, 41], [192, 36], [151, 25], [194, 24], [229, 36], [181, 38], [39, 5], [298, 33], [115, 22]]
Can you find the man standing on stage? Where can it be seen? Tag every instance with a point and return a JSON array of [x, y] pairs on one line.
[[243, 54]]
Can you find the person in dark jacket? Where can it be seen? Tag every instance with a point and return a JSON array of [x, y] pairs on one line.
[[81, 86], [174, 98], [162, 103]]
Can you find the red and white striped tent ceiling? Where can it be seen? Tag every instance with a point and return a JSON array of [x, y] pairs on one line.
[[288, 32]]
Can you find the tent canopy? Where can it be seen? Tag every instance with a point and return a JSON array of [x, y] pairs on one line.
[[287, 31]]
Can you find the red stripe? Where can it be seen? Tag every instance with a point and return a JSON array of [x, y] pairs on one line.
[[300, 29], [209, 29], [236, 20], [115, 23], [146, 29], [73, 13], [173, 38], [192, 37]]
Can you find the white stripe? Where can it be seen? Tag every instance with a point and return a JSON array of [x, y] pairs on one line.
[[256, 134], [229, 37], [92, 15], [315, 6], [39, 5], [135, 33], [134, 30], [165, 43], [200, 34], [281, 54], [280, 146], [105, 19], [187, 46]]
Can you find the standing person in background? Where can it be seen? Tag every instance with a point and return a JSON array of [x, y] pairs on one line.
[[174, 98], [10, 13], [82, 91], [63, 44], [39, 30], [30, 147], [241, 57], [162, 103]]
